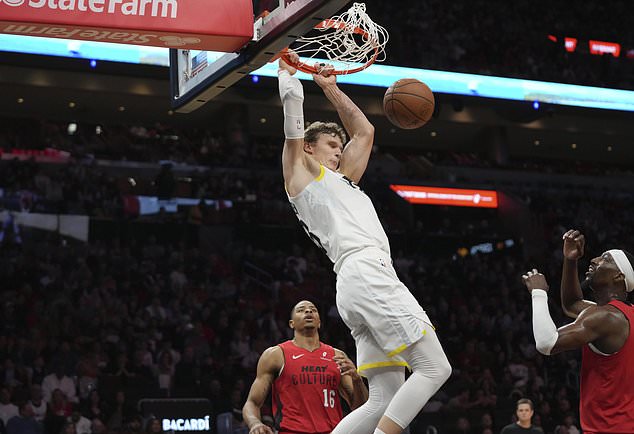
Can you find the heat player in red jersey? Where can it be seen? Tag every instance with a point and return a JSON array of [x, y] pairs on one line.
[[307, 377], [603, 330]]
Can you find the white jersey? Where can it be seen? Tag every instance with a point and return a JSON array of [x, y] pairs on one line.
[[339, 217]]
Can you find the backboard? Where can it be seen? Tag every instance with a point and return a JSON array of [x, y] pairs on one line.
[[198, 76]]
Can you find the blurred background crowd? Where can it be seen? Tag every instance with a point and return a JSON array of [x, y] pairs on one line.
[[524, 40], [192, 257], [520, 40], [182, 304]]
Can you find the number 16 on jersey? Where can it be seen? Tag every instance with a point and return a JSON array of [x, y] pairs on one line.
[[329, 398]]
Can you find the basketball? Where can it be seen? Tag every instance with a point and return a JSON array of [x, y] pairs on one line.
[[408, 103]]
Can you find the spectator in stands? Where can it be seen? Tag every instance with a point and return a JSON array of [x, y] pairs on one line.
[[135, 425], [37, 371], [7, 408], [69, 428], [141, 372], [38, 405], [59, 409], [98, 427], [187, 374], [24, 423], [59, 405], [486, 422], [121, 412], [463, 426], [59, 380], [121, 368], [164, 372], [82, 424], [568, 426], [94, 407], [153, 426], [524, 413]]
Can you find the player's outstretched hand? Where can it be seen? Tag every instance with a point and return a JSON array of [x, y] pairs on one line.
[[574, 244], [346, 367], [285, 66], [535, 280], [261, 429], [325, 77]]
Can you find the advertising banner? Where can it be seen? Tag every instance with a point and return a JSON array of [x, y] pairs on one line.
[[219, 25], [417, 194], [180, 415]]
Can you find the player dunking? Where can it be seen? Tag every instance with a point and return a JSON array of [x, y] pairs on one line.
[[390, 328], [604, 331], [307, 377]]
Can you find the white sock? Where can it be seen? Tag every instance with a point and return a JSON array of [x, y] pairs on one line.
[[378, 431]]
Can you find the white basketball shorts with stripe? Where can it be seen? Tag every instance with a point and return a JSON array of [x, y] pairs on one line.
[[382, 315]]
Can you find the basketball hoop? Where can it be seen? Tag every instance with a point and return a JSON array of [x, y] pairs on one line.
[[350, 42]]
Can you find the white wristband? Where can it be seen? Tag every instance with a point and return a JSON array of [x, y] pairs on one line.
[[292, 96], [543, 326]]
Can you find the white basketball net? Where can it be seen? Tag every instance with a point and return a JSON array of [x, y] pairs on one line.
[[345, 40]]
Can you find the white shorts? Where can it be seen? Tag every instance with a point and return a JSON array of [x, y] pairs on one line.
[[382, 315]]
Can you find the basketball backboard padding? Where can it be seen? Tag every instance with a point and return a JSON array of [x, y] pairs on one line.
[[271, 34], [222, 25]]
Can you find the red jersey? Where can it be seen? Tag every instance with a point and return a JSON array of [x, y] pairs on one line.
[[607, 385], [306, 393]]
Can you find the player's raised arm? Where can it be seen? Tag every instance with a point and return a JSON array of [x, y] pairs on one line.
[[269, 365], [298, 171], [351, 388], [356, 154], [572, 301], [593, 325]]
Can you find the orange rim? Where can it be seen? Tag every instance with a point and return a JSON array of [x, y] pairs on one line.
[[311, 69]]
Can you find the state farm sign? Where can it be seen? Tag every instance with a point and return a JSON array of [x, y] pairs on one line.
[[219, 25], [154, 8]]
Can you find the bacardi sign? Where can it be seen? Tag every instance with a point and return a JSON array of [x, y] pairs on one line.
[[180, 415], [218, 25]]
